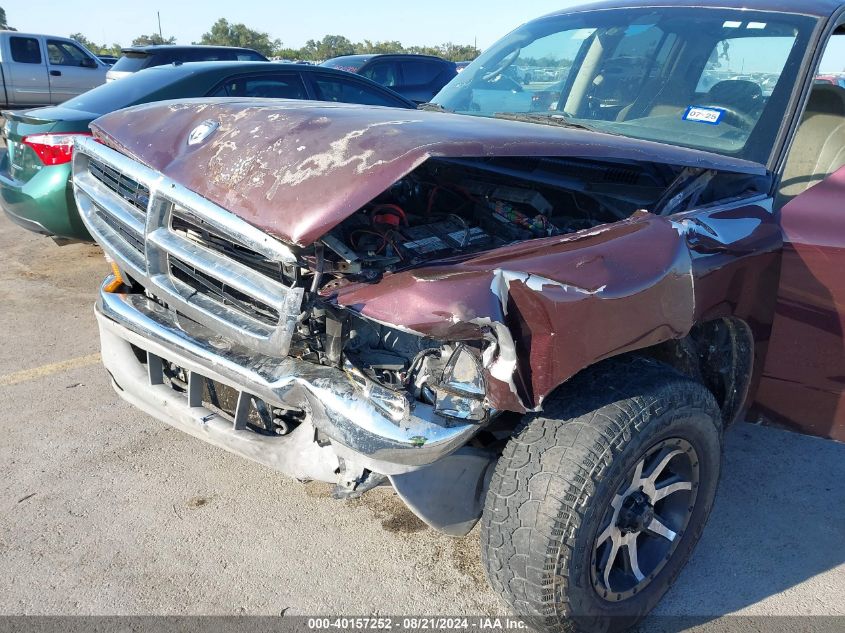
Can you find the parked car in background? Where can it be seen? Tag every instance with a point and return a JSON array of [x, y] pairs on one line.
[[834, 79], [542, 320], [459, 66], [135, 58], [417, 77], [35, 167], [108, 59], [43, 69]]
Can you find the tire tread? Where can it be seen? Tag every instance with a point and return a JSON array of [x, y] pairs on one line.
[[554, 462]]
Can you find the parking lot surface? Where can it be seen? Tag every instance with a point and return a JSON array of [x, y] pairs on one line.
[[104, 510]]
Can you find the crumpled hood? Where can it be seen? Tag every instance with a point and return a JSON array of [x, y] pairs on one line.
[[296, 169]]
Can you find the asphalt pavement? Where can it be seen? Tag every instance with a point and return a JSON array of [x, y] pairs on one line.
[[104, 510]]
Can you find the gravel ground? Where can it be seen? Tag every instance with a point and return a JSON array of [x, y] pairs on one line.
[[104, 510]]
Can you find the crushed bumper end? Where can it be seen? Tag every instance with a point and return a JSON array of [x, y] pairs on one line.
[[333, 404]]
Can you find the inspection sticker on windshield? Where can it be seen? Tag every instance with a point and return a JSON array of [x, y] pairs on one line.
[[710, 116]]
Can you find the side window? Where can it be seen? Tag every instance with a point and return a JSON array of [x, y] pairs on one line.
[[162, 58], [272, 87], [25, 50], [420, 73], [205, 55], [65, 54], [818, 149], [343, 90], [248, 56], [384, 73]]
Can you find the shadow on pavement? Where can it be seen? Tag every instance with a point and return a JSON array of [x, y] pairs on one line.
[[779, 521]]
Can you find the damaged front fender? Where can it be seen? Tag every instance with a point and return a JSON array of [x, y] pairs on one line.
[[552, 306]]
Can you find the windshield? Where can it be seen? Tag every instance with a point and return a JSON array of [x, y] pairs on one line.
[[115, 95], [712, 79]]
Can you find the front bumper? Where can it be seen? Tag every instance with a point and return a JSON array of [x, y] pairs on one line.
[[334, 404]]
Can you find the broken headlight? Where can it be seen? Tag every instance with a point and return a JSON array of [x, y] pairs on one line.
[[392, 403], [461, 391]]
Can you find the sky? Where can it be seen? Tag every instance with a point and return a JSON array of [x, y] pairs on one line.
[[294, 22]]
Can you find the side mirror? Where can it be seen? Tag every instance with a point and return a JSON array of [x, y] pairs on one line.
[[88, 63]]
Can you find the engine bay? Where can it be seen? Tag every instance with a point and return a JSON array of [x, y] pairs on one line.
[[448, 209]]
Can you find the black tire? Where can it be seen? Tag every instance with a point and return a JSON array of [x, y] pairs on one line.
[[552, 489]]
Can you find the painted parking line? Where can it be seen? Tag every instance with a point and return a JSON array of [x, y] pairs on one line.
[[26, 375]]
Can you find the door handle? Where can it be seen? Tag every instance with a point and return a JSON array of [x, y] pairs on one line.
[[56, 73]]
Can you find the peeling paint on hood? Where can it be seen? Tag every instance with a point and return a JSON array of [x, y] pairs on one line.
[[296, 169]]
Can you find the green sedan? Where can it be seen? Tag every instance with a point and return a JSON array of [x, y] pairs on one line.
[[35, 168]]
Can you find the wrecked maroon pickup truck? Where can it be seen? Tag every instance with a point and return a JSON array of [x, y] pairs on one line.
[[534, 304]]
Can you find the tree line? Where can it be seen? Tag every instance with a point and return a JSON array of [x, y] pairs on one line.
[[224, 33]]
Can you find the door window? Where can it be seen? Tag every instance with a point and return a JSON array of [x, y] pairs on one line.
[[65, 54], [249, 56], [420, 73], [343, 90], [273, 87], [206, 55], [25, 50], [818, 149], [384, 73]]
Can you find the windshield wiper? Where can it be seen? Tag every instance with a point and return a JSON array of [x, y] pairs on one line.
[[559, 120]]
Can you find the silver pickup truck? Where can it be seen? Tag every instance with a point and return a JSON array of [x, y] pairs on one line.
[[45, 69]]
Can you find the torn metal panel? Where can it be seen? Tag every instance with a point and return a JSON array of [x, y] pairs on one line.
[[269, 163]]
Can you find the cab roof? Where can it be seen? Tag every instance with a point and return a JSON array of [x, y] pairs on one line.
[[816, 8]]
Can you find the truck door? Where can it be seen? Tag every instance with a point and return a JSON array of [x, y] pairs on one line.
[[803, 383], [72, 70], [25, 74]]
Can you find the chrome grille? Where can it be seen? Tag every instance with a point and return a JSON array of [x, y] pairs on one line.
[[130, 190], [217, 289], [198, 258], [213, 240]]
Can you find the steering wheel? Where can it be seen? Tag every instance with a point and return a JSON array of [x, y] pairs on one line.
[[734, 117], [506, 61]]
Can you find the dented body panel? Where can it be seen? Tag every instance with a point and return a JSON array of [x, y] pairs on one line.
[[631, 281], [640, 282]]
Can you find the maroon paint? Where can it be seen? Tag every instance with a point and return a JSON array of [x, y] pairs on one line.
[[297, 169], [803, 385]]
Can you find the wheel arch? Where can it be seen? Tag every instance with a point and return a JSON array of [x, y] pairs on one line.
[[720, 355]]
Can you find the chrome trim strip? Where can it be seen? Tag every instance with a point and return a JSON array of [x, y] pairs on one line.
[[110, 202], [238, 276], [129, 258]]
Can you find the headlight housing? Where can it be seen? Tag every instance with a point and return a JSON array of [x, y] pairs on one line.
[[462, 389]]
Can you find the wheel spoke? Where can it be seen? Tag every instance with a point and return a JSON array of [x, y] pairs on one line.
[[665, 491], [661, 465], [608, 533], [633, 558], [608, 565], [658, 528]]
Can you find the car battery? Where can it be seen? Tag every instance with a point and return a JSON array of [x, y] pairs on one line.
[[442, 239]]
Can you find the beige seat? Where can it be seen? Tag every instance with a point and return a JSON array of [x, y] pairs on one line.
[[819, 146]]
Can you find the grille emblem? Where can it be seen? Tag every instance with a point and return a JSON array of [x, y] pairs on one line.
[[202, 132]]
